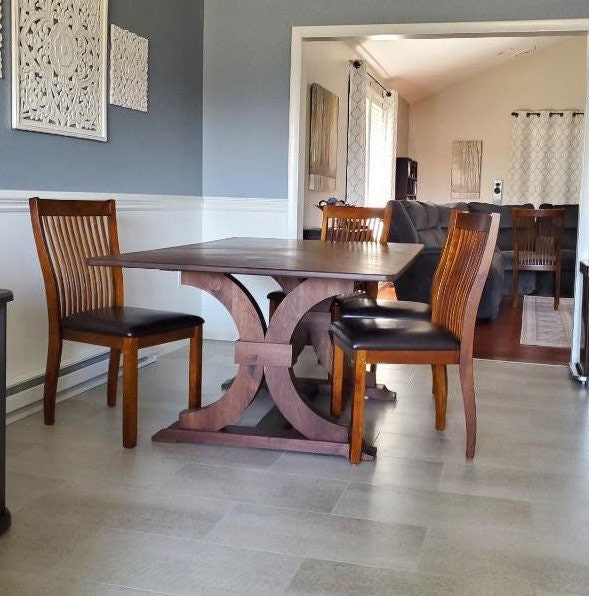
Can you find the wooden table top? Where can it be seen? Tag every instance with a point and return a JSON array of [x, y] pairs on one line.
[[360, 261]]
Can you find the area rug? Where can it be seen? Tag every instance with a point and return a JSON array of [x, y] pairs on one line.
[[544, 326]]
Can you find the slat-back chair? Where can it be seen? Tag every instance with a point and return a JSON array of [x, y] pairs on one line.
[[86, 304], [355, 224], [446, 339], [343, 223], [537, 245]]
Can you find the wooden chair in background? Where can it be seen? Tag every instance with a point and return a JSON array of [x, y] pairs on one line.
[[85, 304], [343, 223], [537, 245], [355, 224], [446, 339]]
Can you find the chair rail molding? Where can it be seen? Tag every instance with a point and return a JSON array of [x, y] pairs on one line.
[[15, 201], [251, 204]]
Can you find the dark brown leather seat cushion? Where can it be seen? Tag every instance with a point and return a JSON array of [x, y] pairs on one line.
[[393, 334], [128, 321], [361, 306]]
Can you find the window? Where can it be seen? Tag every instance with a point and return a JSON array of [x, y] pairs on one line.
[[380, 150]]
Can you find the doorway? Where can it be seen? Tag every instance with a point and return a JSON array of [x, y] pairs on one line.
[[531, 29]]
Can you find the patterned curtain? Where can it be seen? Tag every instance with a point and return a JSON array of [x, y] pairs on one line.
[[391, 110], [546, 157], [356, 168]]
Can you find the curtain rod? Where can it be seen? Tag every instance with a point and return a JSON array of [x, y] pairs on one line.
[[550, 114], [357, 64]]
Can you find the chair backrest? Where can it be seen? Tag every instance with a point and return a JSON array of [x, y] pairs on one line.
[[537, 238], [463, 272], [446, 250], [66, 234], [356, 224]]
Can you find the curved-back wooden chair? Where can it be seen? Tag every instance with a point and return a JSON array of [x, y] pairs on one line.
[[537, 245], [446, 339], [342, 223], [86, 304]]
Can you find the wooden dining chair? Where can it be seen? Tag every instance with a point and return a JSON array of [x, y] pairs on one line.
[[85, 304], [358, 306], [537, 246], [446, 339], [344, 223]]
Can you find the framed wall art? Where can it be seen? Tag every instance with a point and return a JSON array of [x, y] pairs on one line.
[[467, 157], [323, 139], [128, 69], [59, 54]]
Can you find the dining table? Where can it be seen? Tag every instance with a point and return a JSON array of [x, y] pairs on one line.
[[310, 273]]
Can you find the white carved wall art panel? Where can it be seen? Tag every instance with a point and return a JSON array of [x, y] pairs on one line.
[[59, 67], [129, 55]]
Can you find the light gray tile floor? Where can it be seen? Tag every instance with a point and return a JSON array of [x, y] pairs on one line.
[[90, 518]]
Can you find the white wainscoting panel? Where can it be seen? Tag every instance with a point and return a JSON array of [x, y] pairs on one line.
[[145, 221], [240, 217]]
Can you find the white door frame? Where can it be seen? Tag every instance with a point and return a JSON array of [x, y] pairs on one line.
[[296, 181]]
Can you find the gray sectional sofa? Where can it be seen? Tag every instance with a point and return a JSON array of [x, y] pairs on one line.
[[427, 223]]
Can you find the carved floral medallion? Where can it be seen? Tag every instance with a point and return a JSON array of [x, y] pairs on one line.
[[59, 67]]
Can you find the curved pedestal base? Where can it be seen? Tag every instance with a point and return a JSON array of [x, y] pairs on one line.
[[267, 354]]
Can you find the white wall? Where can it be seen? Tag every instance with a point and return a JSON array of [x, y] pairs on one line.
[[326, 63], [226, 218], [479, 108], [403, 127]]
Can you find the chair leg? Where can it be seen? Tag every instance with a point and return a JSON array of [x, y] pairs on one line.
[[113, 377], [337, 381], [515, 289], [470, 413], [195, 370], [557, 284], [357, 425], [440, 383], [51, 378], [130, 374]]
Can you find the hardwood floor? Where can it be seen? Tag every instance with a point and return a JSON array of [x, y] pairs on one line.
[[499, 340]]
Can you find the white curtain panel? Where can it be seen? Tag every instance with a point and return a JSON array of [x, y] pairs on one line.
[[356, 166], [546, 157], [389, 156]]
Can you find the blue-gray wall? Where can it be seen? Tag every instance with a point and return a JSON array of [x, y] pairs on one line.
[[157, 152], [247, 73]]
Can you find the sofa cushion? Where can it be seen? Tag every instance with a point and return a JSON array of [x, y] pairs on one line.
[[429, 220], [402, 228]]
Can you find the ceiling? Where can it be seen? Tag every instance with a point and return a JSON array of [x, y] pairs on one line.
[[418, 68]]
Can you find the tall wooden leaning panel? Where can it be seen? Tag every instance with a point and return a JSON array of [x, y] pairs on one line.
[[5, 297]]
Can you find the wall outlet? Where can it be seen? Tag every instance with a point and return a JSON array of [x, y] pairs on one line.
[[497, 192]]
